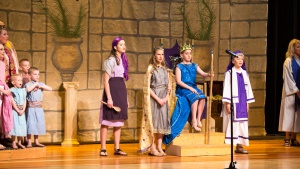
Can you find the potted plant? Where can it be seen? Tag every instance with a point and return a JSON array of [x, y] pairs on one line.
[[67, 31], [199, 18]]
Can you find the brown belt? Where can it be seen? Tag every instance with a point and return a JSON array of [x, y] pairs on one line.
[[158, 87], [37, 104]]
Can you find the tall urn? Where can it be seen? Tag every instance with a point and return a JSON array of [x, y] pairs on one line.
[[202, 55], [67, 56]]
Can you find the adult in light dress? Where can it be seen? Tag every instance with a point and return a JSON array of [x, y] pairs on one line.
[[289, 120]]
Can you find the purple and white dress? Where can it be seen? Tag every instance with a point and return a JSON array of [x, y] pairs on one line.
[[242, 95], [109, 116]]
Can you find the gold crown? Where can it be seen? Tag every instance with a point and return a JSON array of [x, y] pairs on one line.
[[186, 47], [2, 25]]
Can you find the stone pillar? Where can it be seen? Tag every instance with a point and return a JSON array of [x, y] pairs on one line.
[[70, 138]]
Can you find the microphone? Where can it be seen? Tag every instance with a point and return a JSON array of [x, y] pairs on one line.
[[231, 53]]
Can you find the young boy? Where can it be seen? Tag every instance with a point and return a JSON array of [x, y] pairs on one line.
[[242, 95], [35, 112], [24, 67], [19, 106]]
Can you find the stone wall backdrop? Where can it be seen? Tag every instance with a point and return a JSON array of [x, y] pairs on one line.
[[241, 24]]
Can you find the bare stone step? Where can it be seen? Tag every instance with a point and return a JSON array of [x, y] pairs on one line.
[[194, 144], [199, 138], [198, 150]]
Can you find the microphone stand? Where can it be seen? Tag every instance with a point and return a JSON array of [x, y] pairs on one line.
[[232, 163]]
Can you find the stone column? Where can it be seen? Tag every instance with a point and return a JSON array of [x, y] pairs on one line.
[[70, 139]]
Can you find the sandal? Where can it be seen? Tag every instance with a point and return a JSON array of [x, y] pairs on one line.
[[120, 152], [155, 153], [2, 147], [295, 143], [103, 152], [241, 150], [286, 142]]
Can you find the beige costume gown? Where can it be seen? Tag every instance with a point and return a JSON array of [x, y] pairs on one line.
[[148, 125], [289, 120]]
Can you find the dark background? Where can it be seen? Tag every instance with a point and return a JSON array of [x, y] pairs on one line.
[[283, 26]]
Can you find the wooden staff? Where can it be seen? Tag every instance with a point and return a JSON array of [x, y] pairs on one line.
[[208, 115], [192, 42]]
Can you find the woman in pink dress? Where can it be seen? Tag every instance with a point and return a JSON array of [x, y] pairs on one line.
[[10, 55], [6, 122]]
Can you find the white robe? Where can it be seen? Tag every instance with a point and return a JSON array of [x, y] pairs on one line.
[[240, 126], [289, 120]]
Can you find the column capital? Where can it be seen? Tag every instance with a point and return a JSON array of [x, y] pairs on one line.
[[68, 85]]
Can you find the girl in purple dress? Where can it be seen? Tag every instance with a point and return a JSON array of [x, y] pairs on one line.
[[115, 94]]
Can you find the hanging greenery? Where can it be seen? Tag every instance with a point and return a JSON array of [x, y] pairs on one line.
[[201, 25], [61, 21]]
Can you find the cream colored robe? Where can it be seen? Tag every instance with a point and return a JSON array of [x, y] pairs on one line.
[[289, 120]]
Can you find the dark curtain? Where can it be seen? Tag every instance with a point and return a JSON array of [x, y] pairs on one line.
[[283, 26]]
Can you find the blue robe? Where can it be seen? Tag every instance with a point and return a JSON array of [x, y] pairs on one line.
[[185, 98], [35, 115]]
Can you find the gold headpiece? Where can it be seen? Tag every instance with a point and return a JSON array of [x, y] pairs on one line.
[[186, 47], [2, 25]]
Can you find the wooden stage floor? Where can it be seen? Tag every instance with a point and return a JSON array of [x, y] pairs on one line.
[[263, 154]]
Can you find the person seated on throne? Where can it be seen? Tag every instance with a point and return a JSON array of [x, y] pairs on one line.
[[190, 99]]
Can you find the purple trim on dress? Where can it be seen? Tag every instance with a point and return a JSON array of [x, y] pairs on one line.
[[113, 123], [239, 120], [230, 138], [226, 98], [247, 138], [250, 99], [244, 137], [241, 106]]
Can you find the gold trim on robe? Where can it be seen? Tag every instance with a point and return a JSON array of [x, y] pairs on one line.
[[146, 132]]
